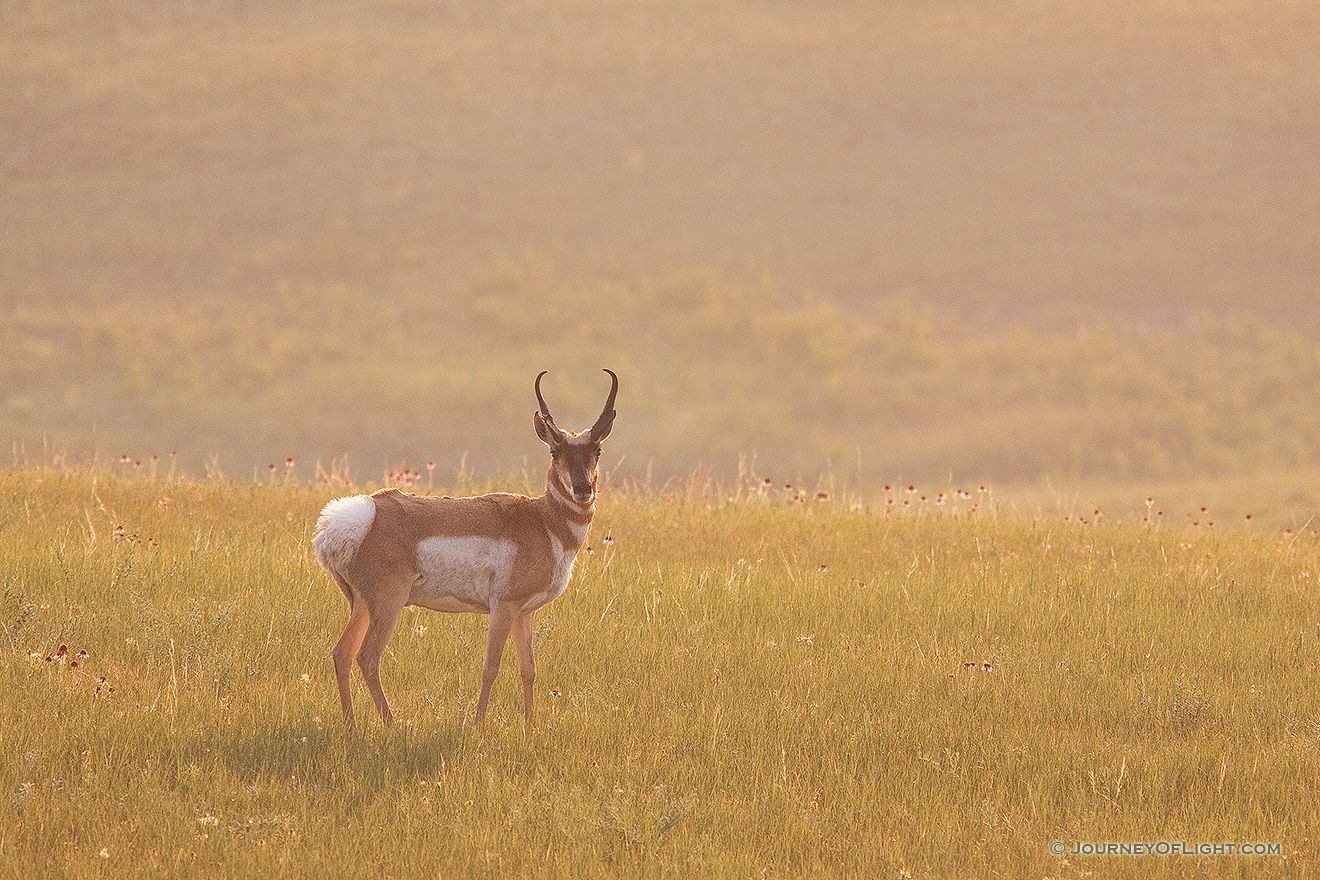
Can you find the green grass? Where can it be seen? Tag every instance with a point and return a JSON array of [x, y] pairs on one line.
[[733, 685], [710, 369]]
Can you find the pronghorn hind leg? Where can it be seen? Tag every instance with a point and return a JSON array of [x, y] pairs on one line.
[[386, 607], [345, 650], [502, 618], [522, 644]]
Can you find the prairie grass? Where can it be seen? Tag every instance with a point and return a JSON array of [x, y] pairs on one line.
[[732, 686]]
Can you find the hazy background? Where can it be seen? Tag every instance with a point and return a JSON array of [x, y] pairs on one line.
[[943, 240]]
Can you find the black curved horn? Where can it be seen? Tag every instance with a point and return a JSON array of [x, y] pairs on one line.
[[545, 410], [602, 427]]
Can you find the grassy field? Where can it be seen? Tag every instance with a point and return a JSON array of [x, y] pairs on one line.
[[735, 684]]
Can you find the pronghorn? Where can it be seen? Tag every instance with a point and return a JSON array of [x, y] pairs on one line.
[[499, 554]]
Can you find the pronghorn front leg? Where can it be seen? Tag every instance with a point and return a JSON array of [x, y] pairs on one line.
[[502, 619], [522, 645]]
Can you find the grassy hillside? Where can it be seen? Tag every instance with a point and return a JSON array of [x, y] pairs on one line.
[[731, 686], [1138, 160], [712, 371], [867, 242]]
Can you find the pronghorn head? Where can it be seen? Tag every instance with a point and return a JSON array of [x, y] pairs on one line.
[[574, 457]]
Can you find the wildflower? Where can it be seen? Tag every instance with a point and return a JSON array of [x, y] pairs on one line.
[[766, 482], [609, 539], [986, 667], [288, 462], [823, 568], [124, 459], [556, 692], [911, 488]]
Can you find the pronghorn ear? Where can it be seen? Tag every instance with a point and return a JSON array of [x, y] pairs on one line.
[[546, 432]]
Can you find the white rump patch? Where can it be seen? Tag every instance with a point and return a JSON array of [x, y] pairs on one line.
[[340, 528], [461, 574]]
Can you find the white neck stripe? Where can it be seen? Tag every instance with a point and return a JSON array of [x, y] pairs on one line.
[[569, 502]]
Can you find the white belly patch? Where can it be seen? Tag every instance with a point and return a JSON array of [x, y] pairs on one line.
[[461, 574]]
